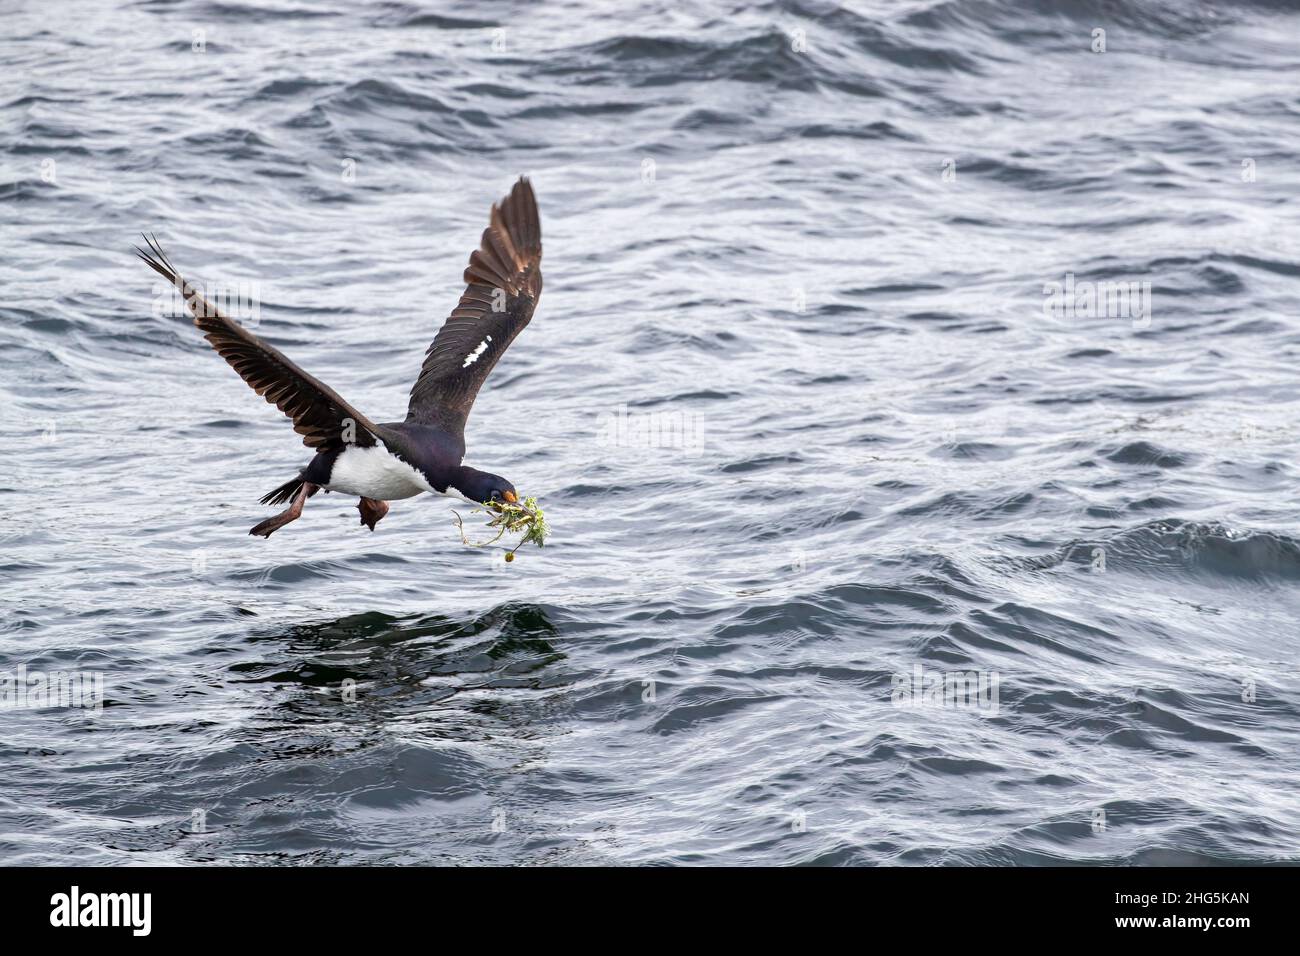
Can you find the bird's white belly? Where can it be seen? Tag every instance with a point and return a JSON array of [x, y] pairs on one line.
[[374, 473]]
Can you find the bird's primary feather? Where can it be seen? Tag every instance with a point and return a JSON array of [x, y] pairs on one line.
[[319, 414], [503, 284]]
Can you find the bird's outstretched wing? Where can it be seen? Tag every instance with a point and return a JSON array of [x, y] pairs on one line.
[[504, 282], [324, 420]]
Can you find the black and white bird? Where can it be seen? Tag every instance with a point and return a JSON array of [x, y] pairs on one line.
[[383, 462]]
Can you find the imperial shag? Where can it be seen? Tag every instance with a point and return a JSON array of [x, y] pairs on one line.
[[383, 462]]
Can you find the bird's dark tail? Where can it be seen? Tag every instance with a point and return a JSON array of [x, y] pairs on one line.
[[284, 493]]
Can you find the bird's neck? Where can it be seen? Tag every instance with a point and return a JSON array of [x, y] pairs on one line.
[[465, 481]]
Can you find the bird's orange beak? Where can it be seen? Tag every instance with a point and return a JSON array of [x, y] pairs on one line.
[[510, 497]]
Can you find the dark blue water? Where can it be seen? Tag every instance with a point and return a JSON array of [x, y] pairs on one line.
[[802, 415]]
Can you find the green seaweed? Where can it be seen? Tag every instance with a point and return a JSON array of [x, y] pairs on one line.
[[510, 518]]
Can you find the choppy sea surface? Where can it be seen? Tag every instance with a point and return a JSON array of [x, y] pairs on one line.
[[885, 346]]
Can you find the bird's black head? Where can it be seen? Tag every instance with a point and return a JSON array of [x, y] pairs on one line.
[[482, 487]]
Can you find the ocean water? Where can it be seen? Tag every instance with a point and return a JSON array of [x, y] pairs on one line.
[[885, 346]]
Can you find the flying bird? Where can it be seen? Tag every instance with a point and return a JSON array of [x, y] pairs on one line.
[[388, 461]]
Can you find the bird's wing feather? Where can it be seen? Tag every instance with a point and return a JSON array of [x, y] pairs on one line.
[[503, 284], [324, 420]]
